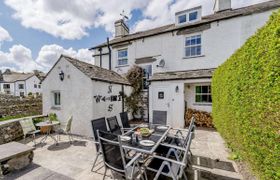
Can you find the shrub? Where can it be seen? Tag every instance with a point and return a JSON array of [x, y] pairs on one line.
[[134, 102], [246, 100]]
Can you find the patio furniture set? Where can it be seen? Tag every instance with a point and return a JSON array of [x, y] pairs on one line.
[[29, 128], [131, 152]]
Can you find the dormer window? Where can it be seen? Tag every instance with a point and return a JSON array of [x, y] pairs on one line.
[[193, 16], [182, 19], [188, 16]]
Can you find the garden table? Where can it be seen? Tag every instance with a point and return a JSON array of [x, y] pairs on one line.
[[157, 136], [48, 126]]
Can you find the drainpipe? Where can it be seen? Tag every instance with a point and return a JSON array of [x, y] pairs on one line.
[[100, 56], [122, 98], [109, 49]]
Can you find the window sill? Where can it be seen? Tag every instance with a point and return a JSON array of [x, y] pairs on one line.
[[193, 57], [202, 104], [122, 66], [56, 108]]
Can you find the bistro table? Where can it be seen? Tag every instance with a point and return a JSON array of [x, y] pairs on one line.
[[48, 126], [157, 136]]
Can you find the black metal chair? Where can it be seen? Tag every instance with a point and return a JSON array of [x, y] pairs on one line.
[[171, 167], [114, 126], [97, 124], [124, 119], [115, 159]]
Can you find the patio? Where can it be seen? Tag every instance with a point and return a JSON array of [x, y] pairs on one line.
[[74, 161]]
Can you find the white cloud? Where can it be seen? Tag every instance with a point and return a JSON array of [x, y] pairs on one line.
[[4, 35], [20, 58], [70, 19]]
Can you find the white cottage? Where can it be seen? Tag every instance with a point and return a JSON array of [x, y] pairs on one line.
[[84, 91], [179, 58], [19, 84]]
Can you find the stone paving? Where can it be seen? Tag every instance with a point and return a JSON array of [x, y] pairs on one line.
[[74, 161]]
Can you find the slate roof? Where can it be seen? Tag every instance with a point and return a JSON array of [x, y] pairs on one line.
[[15, 76], [257, 8], [97, 73], [183, 75]]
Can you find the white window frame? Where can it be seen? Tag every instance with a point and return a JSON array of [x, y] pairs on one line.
[[54, 98], [123, 58], [201, 49], [188, 16], [20, 85], [209, 93]]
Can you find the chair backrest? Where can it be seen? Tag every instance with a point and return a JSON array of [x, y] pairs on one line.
[[190, 130], [112, 153], [124, 119], [27, 125], [69, 124], [113, 124], [98, 124]]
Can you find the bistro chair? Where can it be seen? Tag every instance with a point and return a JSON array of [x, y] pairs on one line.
[[28, 128], [113, 125], [66, 129], [115, 159], [173, 168], [97, 124]]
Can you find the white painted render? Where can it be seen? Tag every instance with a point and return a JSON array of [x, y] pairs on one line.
[[77, 93], [218, 43]]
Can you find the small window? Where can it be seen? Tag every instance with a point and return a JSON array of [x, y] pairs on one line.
[[35, 85], [193, 46], [182, 19], [21, 94], [203, 94], [122, 57], [161, 95], [56, 96], [39, 86], [21, 86], [193, 16], [6, 86]]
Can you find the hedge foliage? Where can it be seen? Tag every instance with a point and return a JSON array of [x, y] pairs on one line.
[[246, 100]]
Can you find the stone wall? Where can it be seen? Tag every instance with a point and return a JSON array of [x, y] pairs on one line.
[[15, 106], [10, 131]]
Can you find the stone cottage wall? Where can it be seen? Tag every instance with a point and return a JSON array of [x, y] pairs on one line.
[[14, 106], [10, 131]]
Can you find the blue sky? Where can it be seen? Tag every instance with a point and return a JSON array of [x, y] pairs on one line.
[[34, 33]]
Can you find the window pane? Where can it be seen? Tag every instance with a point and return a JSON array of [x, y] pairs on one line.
[[204, 98], [198, 40], [193, 16], [193, 51], [209, 98], [193, 41], [188, 42], [198, 89], [198, 98], [198, 50], [204, 89], [122, 61], [188, 52], [209, 89], [182, 18]]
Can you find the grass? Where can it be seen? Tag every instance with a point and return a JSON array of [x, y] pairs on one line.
[[15, 117]]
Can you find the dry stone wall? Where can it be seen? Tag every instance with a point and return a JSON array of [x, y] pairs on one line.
[[15, 106], [10, 131]]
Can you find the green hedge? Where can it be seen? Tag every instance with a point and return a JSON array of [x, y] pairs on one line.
[[246, 100]]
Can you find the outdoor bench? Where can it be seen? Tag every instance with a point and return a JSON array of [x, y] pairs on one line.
[[14, 156]]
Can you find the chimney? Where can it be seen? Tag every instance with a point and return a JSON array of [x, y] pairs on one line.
[[222, 5], [121, 28]]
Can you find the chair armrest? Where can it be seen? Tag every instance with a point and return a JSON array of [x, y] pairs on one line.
[[169, 160], [137, 156], [179, 129]]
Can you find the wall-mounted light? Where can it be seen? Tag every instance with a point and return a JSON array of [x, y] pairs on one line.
[[61, 75], [177, 89]]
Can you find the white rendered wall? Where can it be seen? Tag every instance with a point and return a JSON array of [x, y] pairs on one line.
[[30, 85], [76, 96]]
